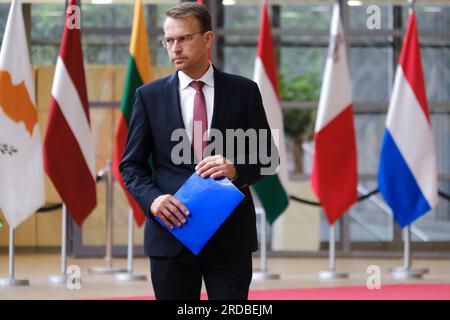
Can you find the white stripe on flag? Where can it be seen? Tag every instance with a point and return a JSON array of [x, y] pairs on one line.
[[336, 93], [413, 136], [66, 94], [274, 115]]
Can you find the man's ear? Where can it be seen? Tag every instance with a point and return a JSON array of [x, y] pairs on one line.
[[209, 39]]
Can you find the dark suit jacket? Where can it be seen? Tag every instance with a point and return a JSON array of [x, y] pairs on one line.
[[155, 115]]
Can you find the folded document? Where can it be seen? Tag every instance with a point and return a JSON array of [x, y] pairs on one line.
[[210, 202]]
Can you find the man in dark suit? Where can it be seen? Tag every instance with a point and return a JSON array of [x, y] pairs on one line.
[[198, 98]]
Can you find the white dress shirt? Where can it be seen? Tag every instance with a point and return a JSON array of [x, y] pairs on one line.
[[187, 94]]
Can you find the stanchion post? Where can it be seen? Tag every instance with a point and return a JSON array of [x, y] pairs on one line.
[[262, 273], [108, 269], [129, 274]]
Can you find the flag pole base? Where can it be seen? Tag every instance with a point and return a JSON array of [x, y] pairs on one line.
[[57, 279], [8, 282], [129, 276], [331, 275], [264, 275], [407, 273]]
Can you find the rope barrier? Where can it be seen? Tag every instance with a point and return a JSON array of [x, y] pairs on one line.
[[50, 207], [361, 198], [446, 196], [317, 204]]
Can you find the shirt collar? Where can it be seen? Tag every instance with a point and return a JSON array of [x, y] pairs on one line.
[[207, 78]]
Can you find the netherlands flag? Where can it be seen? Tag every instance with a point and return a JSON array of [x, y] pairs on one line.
[[407, 176]]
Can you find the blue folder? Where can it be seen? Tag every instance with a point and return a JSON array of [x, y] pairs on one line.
[[210, 202]]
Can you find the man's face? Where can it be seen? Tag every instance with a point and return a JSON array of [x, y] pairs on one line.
[[187, 46]]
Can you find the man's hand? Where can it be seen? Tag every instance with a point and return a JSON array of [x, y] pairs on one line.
[[165, 207], [216, 167]]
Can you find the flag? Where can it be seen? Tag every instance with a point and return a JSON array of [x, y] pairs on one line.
[[407, 176], [21, 163], [271, 189], [68, 145], [334, 172], [138, 73], [209, 51]]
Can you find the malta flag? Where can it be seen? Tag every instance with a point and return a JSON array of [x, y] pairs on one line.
[[138, 73], [271, 189], [334, 173], [407, 176], [68, 144], [21, 167]]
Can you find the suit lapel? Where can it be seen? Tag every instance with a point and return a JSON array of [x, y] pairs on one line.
[[173, 101]]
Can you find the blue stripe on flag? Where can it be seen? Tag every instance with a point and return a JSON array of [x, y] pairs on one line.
[[398, 185]]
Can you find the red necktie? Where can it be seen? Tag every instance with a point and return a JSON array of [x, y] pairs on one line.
[[200, 122]]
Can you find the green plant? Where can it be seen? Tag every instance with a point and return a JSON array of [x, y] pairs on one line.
[[299, 123]]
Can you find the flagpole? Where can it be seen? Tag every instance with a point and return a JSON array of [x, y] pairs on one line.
[[62, 277], [108, 269], [331, 273], [129, 274], [407, 271], [262, 273], [411, 4], [11, 281]]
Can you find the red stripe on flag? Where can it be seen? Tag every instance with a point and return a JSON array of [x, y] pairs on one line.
[[411, 64], [66, 166], [334, 175], [119, 148], [265, 49], [72, 55]]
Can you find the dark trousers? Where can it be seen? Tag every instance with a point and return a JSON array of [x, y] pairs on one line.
[[226, 277]]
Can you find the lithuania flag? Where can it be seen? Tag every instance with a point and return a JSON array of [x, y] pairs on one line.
[[138, 73]]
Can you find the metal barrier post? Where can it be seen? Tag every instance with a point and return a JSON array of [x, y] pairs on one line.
[[129, 274], [108, 269]]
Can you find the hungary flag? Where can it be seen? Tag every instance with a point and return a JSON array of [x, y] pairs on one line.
[[271, 189], [138, 73]]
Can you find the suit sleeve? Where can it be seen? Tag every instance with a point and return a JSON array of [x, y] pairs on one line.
[[248, 172], [135, 168]]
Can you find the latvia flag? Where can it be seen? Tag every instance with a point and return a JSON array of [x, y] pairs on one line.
[[334, 174], [69, 157]]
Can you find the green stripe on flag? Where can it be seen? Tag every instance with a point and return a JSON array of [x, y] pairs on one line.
[[272, 195], [132, 82]]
